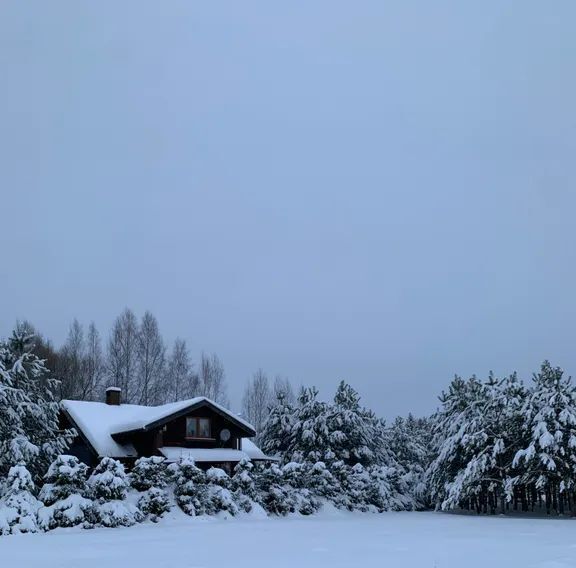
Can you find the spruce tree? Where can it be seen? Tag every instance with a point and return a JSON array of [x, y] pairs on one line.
[[29, 430], [549, 459]]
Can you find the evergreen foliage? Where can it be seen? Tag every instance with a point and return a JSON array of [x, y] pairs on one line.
[[64, 496], [18, 506], [154, 502], [29, 429], [149, 472]]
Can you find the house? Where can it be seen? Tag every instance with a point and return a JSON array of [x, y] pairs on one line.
[[197, 428]]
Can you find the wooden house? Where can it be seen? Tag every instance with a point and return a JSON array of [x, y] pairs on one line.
[[197, 428]]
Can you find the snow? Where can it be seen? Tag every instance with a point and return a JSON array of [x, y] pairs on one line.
[[329, 540], [174, 454], [254, 452], [99, 421]]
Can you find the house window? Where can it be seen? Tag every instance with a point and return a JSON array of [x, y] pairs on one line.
[[197, 427]]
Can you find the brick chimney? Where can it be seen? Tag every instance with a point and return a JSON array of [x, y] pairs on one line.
[[113, 396]]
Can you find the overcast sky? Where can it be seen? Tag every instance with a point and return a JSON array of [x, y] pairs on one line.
[[377, 191]]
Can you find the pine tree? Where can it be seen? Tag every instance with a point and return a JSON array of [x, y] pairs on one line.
[[219, 497], [154, 503], [108, 480], [64, 496], [18, 506], [276, 432], [549, 459], [310, 433], [243, 486], [149, 472], [108, 485], [29, 429], [190, 487]]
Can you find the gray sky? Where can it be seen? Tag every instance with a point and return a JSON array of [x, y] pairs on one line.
[[377, 191]]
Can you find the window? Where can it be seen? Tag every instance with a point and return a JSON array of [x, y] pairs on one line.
[[197, 427]]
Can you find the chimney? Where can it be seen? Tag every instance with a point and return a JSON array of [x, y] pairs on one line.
[[113, 395]]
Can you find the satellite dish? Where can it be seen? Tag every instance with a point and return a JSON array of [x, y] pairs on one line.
[[225, 435]]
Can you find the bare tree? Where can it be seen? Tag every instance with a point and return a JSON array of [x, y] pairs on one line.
[[71, 368], [181, 381], [122, 350], [283, 389], [211, 379], [257, 400], [151, 359], [95, 366]]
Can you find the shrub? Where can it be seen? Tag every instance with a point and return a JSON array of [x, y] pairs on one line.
[[18, 506], [154, 502], [148, 473]]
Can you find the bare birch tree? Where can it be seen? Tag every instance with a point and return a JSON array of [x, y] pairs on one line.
[[181, 381], [95, 365], [283, 389], [71, 368], [212, 379], [151, 360], [257, 400], [122, 351]]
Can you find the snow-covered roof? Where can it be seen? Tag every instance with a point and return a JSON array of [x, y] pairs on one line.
[[204, 454], [253, 451], [99, 421], [150, 414]]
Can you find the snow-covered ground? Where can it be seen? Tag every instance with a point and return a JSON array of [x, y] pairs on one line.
[[395, 540]]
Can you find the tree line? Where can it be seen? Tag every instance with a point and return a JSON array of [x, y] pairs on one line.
[[493, 446], [501, 445], [136, 358]]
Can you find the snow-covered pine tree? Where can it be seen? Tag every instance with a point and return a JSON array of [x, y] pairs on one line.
[[219, 496], [410, 442], [274, 495], [108, 485], [18, 505], [108, 480], [356, 435], [154, 502], [275, 436], [149, 472], [458, 432], [190, 487], [477, 435], [547, 463], [29, 430], [64, 496], [243, 486], [310, 433]]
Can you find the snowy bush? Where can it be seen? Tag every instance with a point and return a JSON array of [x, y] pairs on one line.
[[243, 486], [154, 502], [108, 485], [190, 487], [63, 495], [18, 506], [108, 481], [71, 511], [117, 513], [149, 472], [274, 494], [219, 496], [66, 476]]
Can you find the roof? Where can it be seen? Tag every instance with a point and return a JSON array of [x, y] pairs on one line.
[[151, 416], [254, 452], [204, 454], [102, 423]]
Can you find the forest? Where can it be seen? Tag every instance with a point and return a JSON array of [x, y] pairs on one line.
[[500, 445]]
